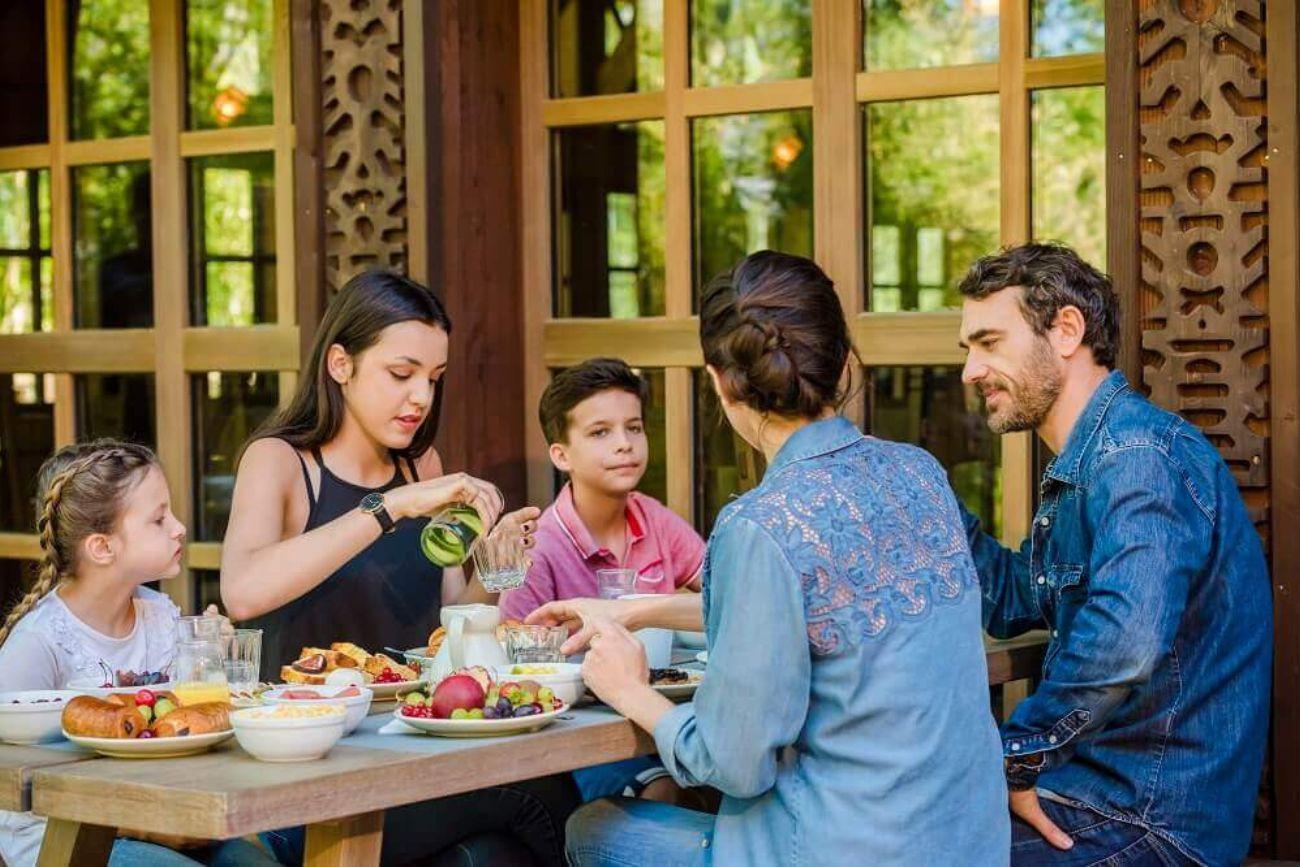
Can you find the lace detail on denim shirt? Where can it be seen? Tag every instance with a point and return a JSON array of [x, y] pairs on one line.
[[874, 533]]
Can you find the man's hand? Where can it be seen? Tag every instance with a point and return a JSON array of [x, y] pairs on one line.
[[579, 616], [1025, 805]]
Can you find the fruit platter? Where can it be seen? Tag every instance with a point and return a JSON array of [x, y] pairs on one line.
[[147, 724], [344, 664], [472, 703]]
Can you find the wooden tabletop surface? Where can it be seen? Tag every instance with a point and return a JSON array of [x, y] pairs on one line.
[[18, 763]]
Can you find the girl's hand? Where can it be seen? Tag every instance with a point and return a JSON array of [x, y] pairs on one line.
[[615, 665], [227, 628], [581, 617], [428, 497]]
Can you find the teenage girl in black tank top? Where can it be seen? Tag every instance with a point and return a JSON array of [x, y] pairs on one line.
[[340, 560]]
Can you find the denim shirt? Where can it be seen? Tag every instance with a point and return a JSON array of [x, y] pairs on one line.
[[845, 715], [1142, 563]]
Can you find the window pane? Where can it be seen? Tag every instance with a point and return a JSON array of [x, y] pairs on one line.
[[1069, 148], [207, 584], [113, 269], [228, 407], [24, 99], [744, 41], [116, 405], [931, 408], [609, 220], [232, 239], [110, 68], [606, 46], [910, 34], [1068, 27], [25, 302], [932, 174], [655, 480], [16, 578], [725, 465], [228, 55], [753, 188], [26, 440]]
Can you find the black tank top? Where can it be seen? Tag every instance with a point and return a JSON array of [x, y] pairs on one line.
[[388, 595]]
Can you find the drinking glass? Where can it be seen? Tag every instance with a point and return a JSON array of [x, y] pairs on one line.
[[500, 559], [613, 583], [244, 659], [535, 644], [650, 580]]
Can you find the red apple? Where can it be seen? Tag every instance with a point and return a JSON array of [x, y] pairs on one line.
[[460, 691]]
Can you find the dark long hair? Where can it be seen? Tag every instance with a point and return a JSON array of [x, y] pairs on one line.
[[365, 306]]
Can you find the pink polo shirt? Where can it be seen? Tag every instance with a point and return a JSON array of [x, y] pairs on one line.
[[565, 557]]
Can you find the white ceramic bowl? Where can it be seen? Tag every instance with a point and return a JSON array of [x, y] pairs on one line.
[[106, 691], [358, 706], [31, 721], [292, 739], [566, 682]]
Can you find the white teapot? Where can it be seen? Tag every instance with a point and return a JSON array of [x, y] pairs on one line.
[[471, 640]]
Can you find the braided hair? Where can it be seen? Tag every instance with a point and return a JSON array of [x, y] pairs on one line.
[[79, 492]]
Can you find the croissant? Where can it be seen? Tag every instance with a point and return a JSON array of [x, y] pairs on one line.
[[114, 717], [194, 719]]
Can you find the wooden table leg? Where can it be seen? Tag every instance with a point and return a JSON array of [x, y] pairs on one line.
[[75, 843], [354, 841]]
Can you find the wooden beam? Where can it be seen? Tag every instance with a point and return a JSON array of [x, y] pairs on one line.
[[308, 173], [117, 350], [22, 546], [101, 151], [286, 267], [1076, 70], [256, 347], [893, 85], [746, 98], [1123, 120], [203, 555], [61, 250], [236, 140], [612, 108], [25, 157]]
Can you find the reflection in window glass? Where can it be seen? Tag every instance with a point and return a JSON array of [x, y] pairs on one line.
[[752, 188], [228, 55], [228, 408], [1069, 159], [932, 169], [606, 46], [725, 465], [1067, 27], [745, 41], [232, 239], [117, 405], [911, 34], [931, 408], [609, 220], [113, 268], [26, 440], [26, 302], [109, 68]]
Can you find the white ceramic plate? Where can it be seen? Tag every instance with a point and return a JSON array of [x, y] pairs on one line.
[[481, 728], [152, 748], [388, 691], [702, 657], [105, 692], [680, 691]]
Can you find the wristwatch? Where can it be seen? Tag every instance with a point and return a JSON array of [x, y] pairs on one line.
[[373, 504]]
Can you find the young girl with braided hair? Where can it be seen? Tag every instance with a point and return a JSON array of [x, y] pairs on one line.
[[106, 528]]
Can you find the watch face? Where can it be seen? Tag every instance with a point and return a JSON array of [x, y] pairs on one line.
[[372, 502]]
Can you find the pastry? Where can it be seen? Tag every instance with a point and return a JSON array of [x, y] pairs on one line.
[[194, 719], [113, 717]]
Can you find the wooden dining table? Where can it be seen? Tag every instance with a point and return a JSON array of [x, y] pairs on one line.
[[341, 799]]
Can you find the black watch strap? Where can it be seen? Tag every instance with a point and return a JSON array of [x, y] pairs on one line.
[[373, 504]]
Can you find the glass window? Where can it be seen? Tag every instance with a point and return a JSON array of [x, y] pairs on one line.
[[725, 465], [116, 405], [113, 264], [931, 408], [745, 41], [232, 239], [932, 175], [109, 68], [24, 99], [1067, 27], [1069, 158], [26, 440], [606, 46], [911, 34], [609, 220], [16, 578], [207, 584], [26, 302], [753, 183], [228, 407], [228, 56]]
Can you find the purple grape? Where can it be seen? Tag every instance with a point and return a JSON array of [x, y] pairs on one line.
[[504, 707], [490, 713], [526, 710]]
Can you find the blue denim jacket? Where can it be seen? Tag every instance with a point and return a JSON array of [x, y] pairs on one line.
[[1144, 566], [845, 714]]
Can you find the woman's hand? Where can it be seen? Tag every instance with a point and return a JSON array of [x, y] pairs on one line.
[[420, 499], [522, 521], [615, 665], [580, 617]]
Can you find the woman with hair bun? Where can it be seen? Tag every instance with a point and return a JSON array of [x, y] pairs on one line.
[[845, 714]]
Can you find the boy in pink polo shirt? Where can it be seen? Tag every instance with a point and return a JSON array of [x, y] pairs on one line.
[[591, 415]]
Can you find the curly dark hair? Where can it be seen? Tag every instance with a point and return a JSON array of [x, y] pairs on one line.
[[1053, 276]]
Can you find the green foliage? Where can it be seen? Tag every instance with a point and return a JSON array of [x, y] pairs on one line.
[[110, 68]]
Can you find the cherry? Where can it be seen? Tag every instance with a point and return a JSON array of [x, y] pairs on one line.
[[145, 698]]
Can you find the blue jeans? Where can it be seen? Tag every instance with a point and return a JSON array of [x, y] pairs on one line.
[[630, 832], [232, 853], [607, 781], [1098, 840]]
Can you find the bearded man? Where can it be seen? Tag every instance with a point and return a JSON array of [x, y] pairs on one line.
[[1144, 741]]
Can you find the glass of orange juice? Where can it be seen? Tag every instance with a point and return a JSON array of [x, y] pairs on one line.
[[199, 672]]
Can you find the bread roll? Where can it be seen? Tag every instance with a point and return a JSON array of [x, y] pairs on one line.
[[114, 717], [194, 719]]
